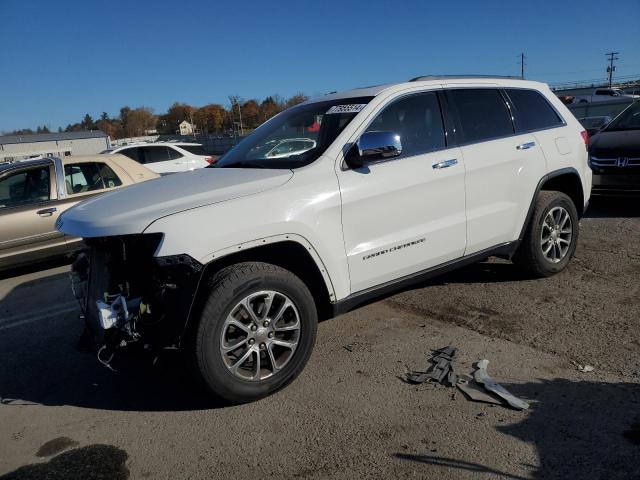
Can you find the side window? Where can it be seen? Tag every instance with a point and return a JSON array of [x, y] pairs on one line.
[[418, 121], [132, 153], [155, 154], [532, 111], [25, 187], [173, 154], [88, 177], [483, 113]]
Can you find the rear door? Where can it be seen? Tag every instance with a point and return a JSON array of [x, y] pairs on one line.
[[162, 159], [405, 214], [502, 167], [28, 211]]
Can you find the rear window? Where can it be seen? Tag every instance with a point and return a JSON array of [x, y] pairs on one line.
[[194, 149], [532, 111], [483, 113], [88, 177]]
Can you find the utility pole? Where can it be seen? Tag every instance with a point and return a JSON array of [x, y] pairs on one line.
[[240, 115], [611, 68], [522, 57]]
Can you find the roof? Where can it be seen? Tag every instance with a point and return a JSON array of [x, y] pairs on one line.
[[426, 80], [151, 144], [51, 137]]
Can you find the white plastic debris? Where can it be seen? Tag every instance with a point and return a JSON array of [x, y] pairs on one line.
[[583, 368], [109, 314]]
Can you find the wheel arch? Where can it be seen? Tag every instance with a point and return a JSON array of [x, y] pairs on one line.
[[289, 251], [565, 180]]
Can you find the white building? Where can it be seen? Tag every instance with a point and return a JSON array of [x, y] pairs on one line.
[[64, 144]]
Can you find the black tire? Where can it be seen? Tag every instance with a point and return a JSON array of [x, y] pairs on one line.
[[228, 287], [530, 257]]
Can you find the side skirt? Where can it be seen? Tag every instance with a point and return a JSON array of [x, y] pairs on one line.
[[504, 250]]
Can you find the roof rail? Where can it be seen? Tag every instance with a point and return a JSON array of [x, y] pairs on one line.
[[453, 77]]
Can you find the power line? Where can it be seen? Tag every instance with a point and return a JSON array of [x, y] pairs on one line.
[[611, 68]]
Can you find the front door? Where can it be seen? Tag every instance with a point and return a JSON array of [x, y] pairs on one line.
[[405, 214], [28, 211]]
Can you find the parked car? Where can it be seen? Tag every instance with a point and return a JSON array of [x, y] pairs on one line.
[[615, 154], [167, 157], [33, 193], [283, 148], [604, 95], [594, 124], [235, 264]]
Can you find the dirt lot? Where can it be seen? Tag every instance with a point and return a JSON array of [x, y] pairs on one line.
[[62, 415]]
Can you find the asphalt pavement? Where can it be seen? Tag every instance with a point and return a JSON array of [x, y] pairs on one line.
[[350, 414]]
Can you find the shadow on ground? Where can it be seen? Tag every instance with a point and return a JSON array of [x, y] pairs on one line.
[[86, 463], [614, 207], [42, 365], [581, 429]]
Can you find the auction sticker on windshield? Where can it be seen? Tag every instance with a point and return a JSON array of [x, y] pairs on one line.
[[352, 108]]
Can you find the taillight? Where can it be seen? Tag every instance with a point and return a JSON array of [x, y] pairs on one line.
[[210, 160], [585, 138]]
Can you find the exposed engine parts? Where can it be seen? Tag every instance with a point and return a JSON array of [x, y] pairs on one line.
[[129, 297]]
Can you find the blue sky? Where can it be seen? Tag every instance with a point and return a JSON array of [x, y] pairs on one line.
[[62, 59]]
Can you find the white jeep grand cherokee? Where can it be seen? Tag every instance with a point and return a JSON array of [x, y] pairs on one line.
[[235, 263]]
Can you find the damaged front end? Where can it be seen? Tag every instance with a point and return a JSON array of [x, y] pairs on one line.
[[130, 298]]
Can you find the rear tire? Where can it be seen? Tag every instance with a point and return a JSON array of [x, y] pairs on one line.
[[551, 237], [270, 314]]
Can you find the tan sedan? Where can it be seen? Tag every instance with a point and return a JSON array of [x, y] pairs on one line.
[[33, 193]]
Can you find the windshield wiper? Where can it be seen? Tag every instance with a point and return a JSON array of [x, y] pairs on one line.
[[243, 164]]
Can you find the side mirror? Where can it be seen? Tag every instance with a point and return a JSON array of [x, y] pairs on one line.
[[373, 146]]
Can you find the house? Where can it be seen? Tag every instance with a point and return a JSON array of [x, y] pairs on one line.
[[186, 128]]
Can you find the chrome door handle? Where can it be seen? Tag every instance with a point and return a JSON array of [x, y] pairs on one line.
[[526, 146], [46, 212], [445, 164]]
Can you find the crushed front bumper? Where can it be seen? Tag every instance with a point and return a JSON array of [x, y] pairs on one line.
[[130, 297]]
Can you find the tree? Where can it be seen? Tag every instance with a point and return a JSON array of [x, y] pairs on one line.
[[268, 108], [296, 99], [251, 114], [177, 113], [87, 123], [209, 118], [139, 121]]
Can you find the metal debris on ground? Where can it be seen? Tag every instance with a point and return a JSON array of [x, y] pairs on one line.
[[481, 376], [582, 368], [476, 392], [440, 370], [480, 388]]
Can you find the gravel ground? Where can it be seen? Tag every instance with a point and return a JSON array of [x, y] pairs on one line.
[[350, 414]]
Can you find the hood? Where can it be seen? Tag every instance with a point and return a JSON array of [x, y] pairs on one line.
[[624, 143], [131, 209]]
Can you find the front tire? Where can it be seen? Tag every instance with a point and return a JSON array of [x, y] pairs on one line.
[[256, 331], [551, 237]]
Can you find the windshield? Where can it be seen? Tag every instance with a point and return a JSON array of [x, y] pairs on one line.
[[296, 137], [629, 119]]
